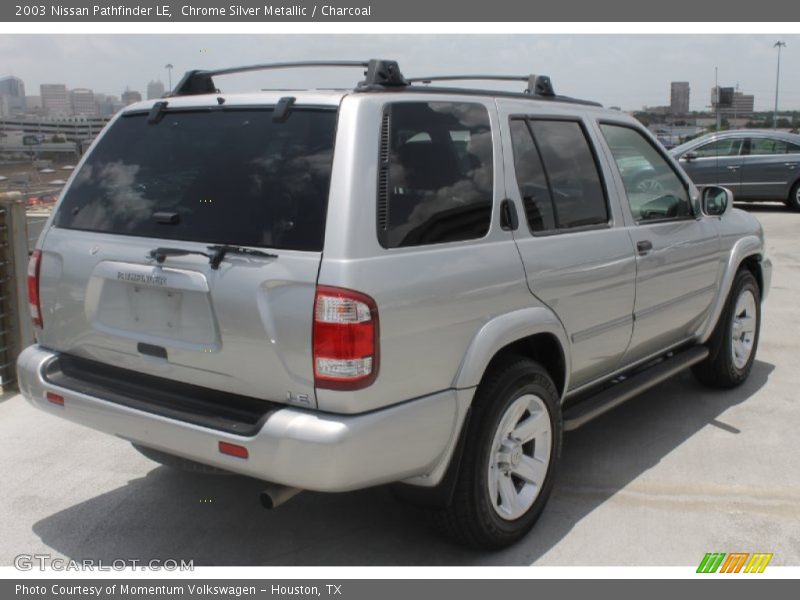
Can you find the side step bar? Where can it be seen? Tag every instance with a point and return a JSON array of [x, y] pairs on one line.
[[594, 406]]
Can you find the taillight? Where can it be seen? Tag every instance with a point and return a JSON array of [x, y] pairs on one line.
[[345, 339], [34, 264]]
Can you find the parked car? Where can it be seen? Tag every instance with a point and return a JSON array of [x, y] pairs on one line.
[[755, 164], [397, 283]]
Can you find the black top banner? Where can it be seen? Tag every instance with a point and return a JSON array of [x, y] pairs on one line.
[[395, 10]]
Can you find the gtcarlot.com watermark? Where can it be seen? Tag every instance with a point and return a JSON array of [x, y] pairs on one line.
[[43, 562]]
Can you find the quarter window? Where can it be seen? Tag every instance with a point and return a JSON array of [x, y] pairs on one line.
[[654, 190], [557, 176], [435, 182]]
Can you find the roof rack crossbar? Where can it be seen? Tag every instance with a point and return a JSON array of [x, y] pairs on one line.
[[538, 85], [378, 72], [468, 78]]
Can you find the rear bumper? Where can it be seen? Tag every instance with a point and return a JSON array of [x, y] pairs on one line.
[[295, 447]]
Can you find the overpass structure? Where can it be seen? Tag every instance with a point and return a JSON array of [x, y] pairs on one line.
[[77, 130]]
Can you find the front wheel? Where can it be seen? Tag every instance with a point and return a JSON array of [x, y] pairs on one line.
[[512, 445], [733, 345]]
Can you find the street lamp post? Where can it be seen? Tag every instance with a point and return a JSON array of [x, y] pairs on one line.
[[777, 45], [169, 67]]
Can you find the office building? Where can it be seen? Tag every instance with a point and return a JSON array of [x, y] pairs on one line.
[[130, 96], [55, 99], [741, 105], [155, 89], [679, 98], [83, 102], [13, 90]]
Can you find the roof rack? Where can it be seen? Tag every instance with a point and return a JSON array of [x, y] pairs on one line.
[[538, 85], [384, 73], [378, 75]]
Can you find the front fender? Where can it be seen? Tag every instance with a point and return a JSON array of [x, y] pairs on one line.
[[504, 330], [750, 245]]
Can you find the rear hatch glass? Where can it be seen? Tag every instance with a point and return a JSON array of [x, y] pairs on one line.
[[230, 176], [217, 176]]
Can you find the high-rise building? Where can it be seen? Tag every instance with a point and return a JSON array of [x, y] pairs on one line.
[[83, 102], [155, 89], [108, 105], [742, 105], [679, 98], [55, 100], [130, 96], [13, 90]]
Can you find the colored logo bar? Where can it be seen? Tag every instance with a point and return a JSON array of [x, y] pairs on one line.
[[735, 562]]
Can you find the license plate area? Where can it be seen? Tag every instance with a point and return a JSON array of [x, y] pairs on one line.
[[167, 307]]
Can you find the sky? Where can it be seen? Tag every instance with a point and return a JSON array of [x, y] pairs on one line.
[[629, 71]]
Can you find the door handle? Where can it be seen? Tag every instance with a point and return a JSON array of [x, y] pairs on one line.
[[790, 165], [733, 168], [644, 247]]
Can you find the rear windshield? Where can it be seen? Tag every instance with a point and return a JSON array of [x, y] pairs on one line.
[[219, 176]]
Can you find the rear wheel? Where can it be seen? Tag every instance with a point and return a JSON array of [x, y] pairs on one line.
[[734, 342], [512, 444], [177, 462], [793, 201]]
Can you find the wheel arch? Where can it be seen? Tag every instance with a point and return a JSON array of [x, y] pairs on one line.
[[747, 253], [535, 333]]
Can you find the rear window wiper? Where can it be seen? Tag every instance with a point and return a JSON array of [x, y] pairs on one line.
[[217, 253], [161, 254]]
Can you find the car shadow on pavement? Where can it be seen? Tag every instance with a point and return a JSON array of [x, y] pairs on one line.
[[217, 520]]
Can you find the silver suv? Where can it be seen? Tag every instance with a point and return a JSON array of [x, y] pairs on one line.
[[398, 283]]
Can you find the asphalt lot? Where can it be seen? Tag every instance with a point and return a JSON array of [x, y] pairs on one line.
[[671, 475]]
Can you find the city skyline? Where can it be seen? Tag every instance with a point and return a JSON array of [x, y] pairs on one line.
[[651, 63]]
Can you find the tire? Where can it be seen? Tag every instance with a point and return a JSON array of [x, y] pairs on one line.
[[793, 201], [733, 345], [517, 391], [177, 462]]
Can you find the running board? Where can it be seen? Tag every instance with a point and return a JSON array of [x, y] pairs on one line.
[[593, 407]]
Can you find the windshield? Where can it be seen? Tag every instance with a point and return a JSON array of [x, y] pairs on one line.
[[227, 176]]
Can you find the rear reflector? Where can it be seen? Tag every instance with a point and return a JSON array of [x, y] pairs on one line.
[[55, 398], [233, 450], [34, 265], [345, 339]]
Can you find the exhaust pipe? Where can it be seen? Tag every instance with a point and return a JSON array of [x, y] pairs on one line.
[[275, 494]]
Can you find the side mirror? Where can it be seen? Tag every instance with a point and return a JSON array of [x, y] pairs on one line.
[[689, 156], [716, 200]]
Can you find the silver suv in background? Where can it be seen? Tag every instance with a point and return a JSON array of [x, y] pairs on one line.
[[398, 283], [754, 164]]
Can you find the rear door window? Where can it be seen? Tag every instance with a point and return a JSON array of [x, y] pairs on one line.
[[767, 146], [558, 178], [227, 176], [436, 178], [531, 179]]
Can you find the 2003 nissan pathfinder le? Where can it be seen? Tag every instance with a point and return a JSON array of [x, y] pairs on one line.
[[399, 283]]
